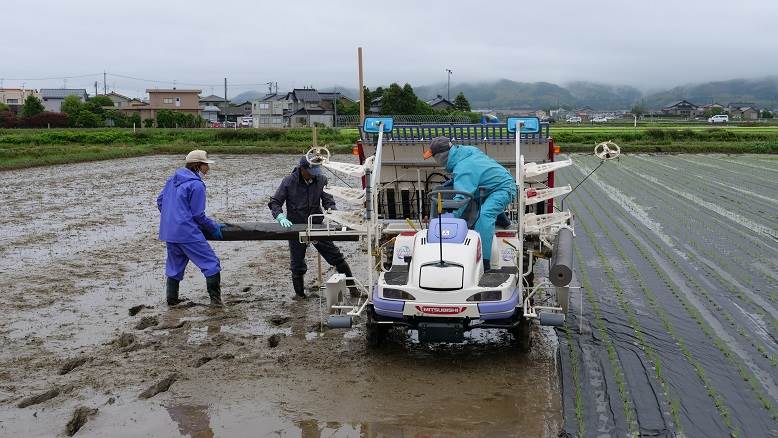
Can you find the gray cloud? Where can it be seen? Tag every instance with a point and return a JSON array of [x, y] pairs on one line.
[[644, 44]]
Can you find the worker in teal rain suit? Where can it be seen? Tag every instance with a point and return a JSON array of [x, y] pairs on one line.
[[471, 169]]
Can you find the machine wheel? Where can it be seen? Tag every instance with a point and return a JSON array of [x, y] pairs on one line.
[[376, 333], [521, 334]]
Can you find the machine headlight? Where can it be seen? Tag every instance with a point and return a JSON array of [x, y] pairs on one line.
[[490, 295], [397, 294]]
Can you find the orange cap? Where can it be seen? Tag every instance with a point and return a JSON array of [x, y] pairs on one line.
[[427, 154]]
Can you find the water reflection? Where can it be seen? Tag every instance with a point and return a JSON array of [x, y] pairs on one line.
[[192, 421]]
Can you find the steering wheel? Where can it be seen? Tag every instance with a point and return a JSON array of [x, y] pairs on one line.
[[607, 150], [317, 155], [452, 199]]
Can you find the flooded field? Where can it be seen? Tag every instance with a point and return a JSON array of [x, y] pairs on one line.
[[84, 327], [673, 332]]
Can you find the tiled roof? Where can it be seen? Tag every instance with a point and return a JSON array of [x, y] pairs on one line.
[[307, 95], [61, 93]]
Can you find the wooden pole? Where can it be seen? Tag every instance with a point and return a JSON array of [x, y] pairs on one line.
[[361, 89], [314, 136]]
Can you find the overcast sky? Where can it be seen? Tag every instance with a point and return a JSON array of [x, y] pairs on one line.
[[648, 44]]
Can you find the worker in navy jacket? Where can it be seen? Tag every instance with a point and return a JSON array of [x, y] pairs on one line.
[[183, 226], [303, 193]]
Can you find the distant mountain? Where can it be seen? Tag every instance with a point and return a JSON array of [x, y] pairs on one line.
[[762, 92], [248, 95], [505, 94], [601, 96]]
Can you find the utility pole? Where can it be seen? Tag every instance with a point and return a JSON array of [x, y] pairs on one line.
[[95, 88], [105, 84], [225, 98], [335, 107], [361, 88], [448, 86]]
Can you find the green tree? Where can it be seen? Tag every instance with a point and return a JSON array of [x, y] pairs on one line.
[[165, 119], [88, 119], [32, 106], [346, 108], [400, 100], [133, 120], [461, 103], [765, 114], [148, 123], [71, 106], [4, 107]]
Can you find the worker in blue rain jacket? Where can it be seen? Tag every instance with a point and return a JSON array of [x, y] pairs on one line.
[[471, 169], [183, 226], [303, 193]]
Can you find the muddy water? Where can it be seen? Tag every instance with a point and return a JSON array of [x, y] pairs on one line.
[[78, 249]]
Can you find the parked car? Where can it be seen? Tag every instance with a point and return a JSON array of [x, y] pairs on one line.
[[599, 120], [719, 118], [246, 122], [573, 119], [230, 124], [217, 125]]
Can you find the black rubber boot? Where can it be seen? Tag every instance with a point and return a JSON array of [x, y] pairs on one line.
[[298, 282], [343, 268], [487, 265], [172, 292], [213, 283]]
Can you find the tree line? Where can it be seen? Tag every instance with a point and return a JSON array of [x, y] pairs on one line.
[[402, 100]]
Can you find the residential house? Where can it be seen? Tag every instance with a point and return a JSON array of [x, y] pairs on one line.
[[440, 103], [375, 106], [214, 100], [305, 109], [119, 101], [328, 100], [233, 113], [52, 97], [743, 111], [682, 108], [714, 108], [186, 101], [210, 113], [15, 97], [268, 112], [305, 117]]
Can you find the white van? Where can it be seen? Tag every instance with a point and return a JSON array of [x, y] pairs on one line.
[[719, 118], [573, 119]]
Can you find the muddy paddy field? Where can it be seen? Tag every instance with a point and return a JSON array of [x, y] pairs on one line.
[[78, 254], [673, 332]]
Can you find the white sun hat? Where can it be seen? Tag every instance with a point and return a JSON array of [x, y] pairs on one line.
[[198, 156]]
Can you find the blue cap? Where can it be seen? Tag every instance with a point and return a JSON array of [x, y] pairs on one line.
[[313, 170]]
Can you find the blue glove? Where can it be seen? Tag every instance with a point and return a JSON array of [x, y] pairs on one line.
[[281, 219], [217, 233], [447, 183]]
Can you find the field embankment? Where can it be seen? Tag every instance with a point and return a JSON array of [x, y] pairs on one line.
[[35, 147]]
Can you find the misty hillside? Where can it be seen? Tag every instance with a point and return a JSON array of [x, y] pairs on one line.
[[763, 92], [507, 94]]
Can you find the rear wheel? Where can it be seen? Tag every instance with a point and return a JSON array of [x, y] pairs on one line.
[[376, 333], [521, 335]]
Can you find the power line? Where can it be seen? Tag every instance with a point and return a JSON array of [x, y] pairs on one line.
[[52, 78]]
